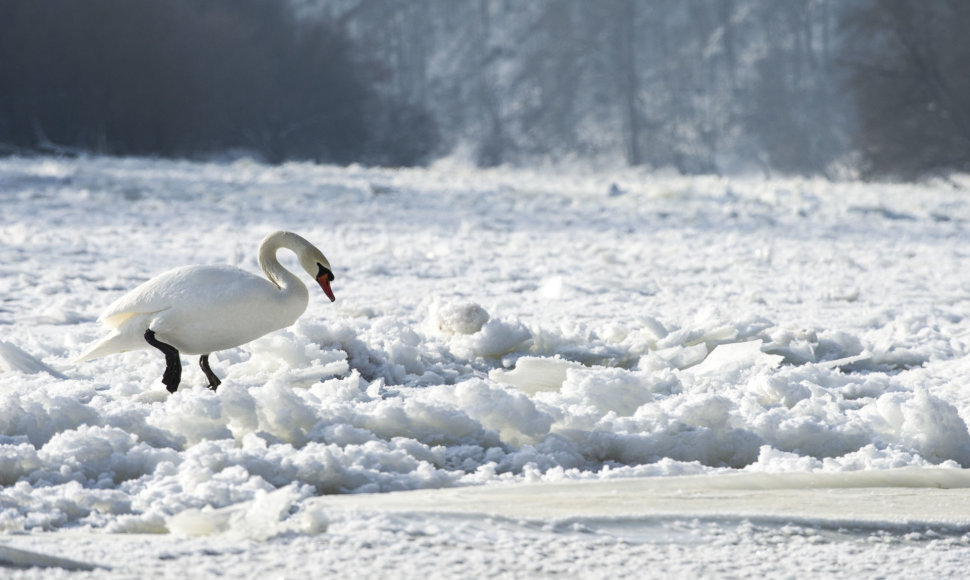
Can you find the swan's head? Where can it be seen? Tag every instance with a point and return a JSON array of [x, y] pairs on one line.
[[312, 259], [316, 265]]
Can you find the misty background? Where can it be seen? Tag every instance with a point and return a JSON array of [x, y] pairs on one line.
[[841, 88]]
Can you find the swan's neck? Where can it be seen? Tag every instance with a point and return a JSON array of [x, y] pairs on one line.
[[285, 280]]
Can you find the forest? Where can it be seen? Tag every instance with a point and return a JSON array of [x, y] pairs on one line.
[[840, 88]]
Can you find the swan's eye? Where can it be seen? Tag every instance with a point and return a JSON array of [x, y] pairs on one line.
[[323, 271]]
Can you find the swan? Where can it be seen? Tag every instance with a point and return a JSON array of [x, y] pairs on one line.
[[198, 310]]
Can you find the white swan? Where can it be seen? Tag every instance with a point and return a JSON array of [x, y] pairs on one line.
[[202, 309]]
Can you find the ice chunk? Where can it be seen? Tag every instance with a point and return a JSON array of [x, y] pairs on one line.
[[16, 558], [533, 374], [458, 318], [471, 332], [513, 415], [608, 389], [926, 423], [14, 359], [496, 338], [262, 518], [736, 356], [681, 357]]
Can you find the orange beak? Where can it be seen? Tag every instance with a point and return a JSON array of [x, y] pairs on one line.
[[324, 282]]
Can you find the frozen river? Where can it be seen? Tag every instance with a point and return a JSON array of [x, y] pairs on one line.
[[588, 374]]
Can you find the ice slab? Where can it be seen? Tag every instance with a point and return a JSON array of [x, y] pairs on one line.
[[899, 497], [17, 558], [534, 374], [15, 359]]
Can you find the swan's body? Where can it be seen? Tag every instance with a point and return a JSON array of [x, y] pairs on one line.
[[202, 309]]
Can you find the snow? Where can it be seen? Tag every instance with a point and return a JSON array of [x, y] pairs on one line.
[[581, 373]]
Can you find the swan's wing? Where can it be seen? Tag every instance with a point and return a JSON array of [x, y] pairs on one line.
[[147, 297], [187, 288]]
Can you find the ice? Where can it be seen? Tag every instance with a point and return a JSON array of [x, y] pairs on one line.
[[265, 516], [14, 359], [450, 319], [492, 329], [533, 374], [749, 494], [731, 358], [14, 558]]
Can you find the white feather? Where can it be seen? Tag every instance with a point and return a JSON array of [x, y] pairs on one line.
[[203, 309]]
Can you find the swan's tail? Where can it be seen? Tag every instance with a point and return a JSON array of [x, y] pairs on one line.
[[115, 342]]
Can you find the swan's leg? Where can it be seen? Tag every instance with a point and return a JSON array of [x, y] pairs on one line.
[[213, 379], [173, 365]]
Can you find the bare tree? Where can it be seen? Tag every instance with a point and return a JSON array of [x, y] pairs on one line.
[[911, 85]]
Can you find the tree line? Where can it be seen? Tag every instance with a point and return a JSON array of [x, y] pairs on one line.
[[191, 78], [909, 65], [876, 88]]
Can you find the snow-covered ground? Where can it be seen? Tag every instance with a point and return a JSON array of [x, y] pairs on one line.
[[588, 374]]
